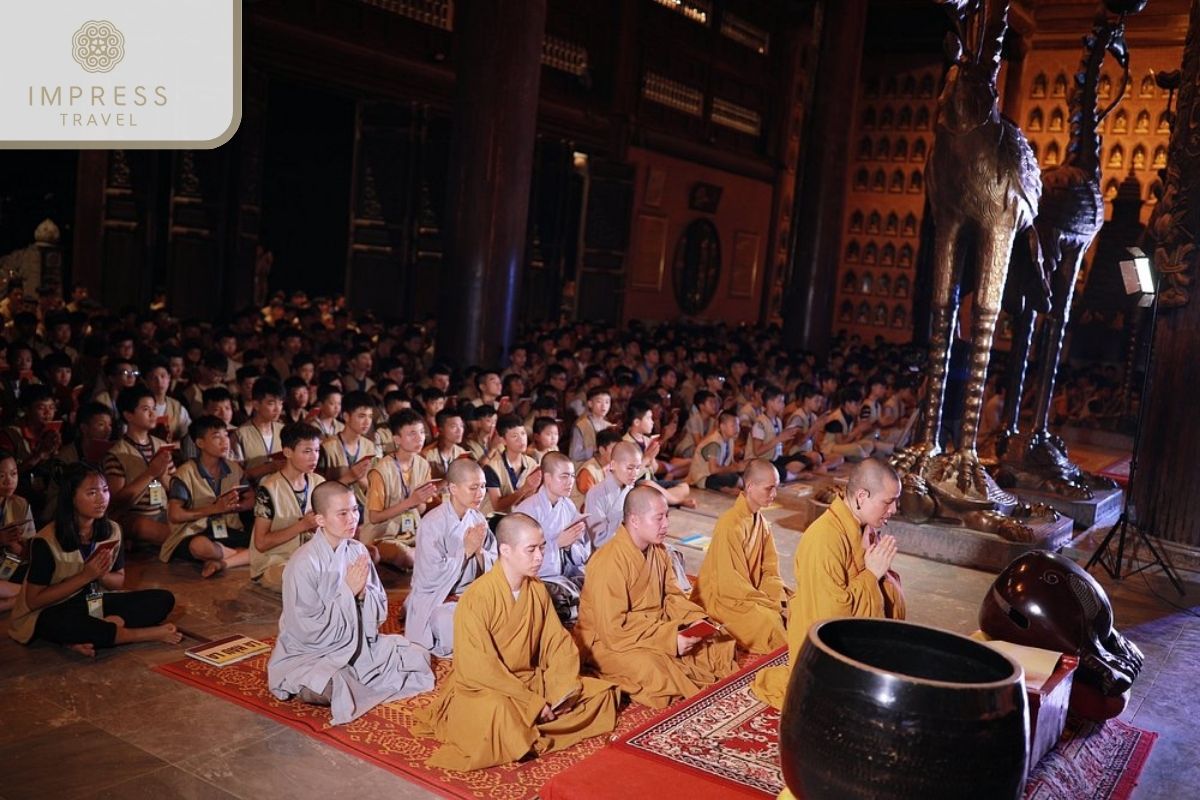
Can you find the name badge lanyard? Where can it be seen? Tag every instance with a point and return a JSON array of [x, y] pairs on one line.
[[158, 497], [219, 529], [513, 475], [95, 597]]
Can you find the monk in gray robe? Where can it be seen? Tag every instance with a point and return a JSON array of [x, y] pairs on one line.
[[330, 651], [454, 547]]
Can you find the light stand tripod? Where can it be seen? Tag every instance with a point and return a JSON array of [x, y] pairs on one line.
[[1125, 522]]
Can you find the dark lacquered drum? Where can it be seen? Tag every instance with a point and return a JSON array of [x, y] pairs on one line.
[[885, 709]]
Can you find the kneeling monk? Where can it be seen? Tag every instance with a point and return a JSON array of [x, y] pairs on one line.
[[330, 651], [632, 611], [739, 584], [515, 688], [843, 567]]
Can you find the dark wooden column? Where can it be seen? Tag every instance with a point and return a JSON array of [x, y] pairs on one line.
[[498, 49], [821, 190], [1167, 503]]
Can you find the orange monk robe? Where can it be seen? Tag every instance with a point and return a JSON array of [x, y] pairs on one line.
[[739, 583], [630, 614], [832, 581], [512, 657]]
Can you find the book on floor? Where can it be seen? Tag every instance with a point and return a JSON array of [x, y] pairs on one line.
[[226, 651]]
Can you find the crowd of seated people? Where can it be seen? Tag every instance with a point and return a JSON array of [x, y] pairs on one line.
[[304, 448]]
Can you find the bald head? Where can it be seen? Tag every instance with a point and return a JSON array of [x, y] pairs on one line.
[[463, 470], [554, 461], [873, 476], [325, 495], [626, 452], [646, 516], [760, 471], [513, 527], [643, 500]]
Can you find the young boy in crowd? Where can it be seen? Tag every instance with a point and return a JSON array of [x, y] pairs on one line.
[[261, 437], [138, 467], [283, 516], [583, 437], [448, 446], [172, 419], [714, 463], [206, 497], [399, 487], [329, 410], [348, 456], [545, 438], [511, 474]]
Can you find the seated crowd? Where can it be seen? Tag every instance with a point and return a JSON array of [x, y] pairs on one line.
[[527, 505]]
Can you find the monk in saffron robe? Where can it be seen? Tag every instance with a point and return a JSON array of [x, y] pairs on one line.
[[515, 688], [739, 584], [632, 611], [330, 651], [843, 567]]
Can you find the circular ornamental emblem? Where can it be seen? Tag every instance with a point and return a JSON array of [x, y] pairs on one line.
[[98, 46]]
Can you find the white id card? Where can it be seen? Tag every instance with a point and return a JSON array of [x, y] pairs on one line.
[[95, 601], [219, 529], [408, 524], [9, 566], [158, 495]]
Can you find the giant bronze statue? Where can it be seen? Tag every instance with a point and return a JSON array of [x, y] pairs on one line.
[[1070, 215], [983, 185]]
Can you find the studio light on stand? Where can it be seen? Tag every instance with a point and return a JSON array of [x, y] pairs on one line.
[[1139, 282]]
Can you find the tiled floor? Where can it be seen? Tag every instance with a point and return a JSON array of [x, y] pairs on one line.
[[74, 728]]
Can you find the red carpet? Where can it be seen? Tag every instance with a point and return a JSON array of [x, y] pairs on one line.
[[724, 743], [383, 735]]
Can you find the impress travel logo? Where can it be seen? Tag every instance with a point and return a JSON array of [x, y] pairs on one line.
[[120, 73]]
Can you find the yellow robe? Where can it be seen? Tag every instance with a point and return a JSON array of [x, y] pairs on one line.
[[739, 584], [630, 614], [512, 657], [832, 581]]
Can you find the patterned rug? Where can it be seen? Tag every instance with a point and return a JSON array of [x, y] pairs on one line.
[[383, 735], [725, 733], [731, 738], [1093, 761]]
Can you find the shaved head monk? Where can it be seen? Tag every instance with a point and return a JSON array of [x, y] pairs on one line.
[[843, 566], [632, 613], [330, 651], [739, 583], [454, 547], [515, 689], [605, 501]]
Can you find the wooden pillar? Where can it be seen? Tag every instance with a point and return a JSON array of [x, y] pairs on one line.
[[821, 187], [498, 66], [89, 222], [1167, 503]]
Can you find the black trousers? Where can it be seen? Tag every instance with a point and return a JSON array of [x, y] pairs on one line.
[[69, 623]]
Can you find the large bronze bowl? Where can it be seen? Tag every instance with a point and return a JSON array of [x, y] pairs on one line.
[[884, 709]]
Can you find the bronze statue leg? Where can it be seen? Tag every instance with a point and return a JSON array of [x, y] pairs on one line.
[[995, 249], [1014, 383], [1055, 330], [945, 258]]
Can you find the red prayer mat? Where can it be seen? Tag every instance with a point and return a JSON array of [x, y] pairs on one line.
[[724, 742], [383, 736]]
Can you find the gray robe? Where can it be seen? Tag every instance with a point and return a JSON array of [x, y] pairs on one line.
[[324, 640], [441, 569], [553, 519], [605, 506]]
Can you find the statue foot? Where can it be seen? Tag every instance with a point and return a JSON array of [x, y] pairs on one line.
[[914, 459], [917, 503], [960, 480], [1003, 526], [1066, 488]]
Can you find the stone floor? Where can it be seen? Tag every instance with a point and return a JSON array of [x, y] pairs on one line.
[[74, 728]]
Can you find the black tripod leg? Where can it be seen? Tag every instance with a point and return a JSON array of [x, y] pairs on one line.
[[1158, 559], [1102, 550]]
